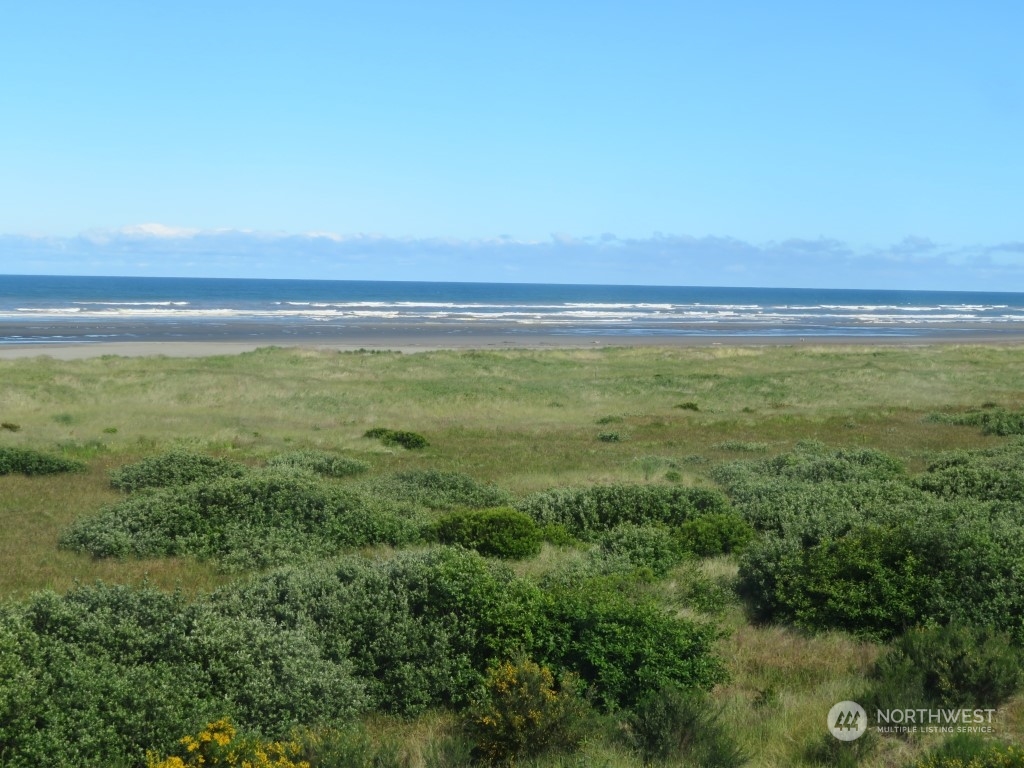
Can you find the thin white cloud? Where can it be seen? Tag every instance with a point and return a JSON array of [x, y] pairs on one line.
[[156, 249]]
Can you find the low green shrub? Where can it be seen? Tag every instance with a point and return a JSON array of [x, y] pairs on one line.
[[249, 522], [587, 511], [993, 421], [399, 437], [642, 546], [741, 446], [420, 628], [435, 489], [717, 533], [104, 673], [319, 462], [623, 647], [953, 666], [995, 474], [689, 405], [673, 724], [178, 467], [499, 532], [972, 751], [609, 437], [29, 462], [524, 711], [10, 426]]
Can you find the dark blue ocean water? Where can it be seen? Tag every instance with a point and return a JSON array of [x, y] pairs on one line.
[[38, 309]]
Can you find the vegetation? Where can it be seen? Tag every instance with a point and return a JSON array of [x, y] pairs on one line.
[[698, 609], [29, 462], [499, 532]]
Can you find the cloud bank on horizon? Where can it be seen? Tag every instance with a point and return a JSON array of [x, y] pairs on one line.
[[158, 250]]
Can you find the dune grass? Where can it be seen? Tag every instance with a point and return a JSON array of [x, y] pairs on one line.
[[525, 421]]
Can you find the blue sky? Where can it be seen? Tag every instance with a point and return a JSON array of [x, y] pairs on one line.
[[731, 143]]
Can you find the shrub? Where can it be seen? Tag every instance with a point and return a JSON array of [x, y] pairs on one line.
[[689, 405], [219, 744], [624, 648], [642, 546], [525, 712], [499, 532], [741, 446], [587, 511], [254, 521], [952, 666], [10, 426], [400, 437], [177, 467], [609, 437], [715, 534], [971, 751], [671, 723], [319, 462], [993, 420], [436, 490], [104, 673], [30, 462], [420, 629]]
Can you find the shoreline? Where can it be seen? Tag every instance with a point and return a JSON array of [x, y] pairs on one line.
[[429, 340]]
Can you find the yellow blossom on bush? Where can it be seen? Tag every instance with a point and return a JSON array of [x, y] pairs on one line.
[[219, 745]]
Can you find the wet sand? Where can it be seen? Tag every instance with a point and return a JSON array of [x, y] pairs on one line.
[[425, 339]]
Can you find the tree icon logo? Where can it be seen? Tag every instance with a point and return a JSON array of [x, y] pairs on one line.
[[847, 720]]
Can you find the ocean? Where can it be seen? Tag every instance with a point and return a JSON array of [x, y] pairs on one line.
[[52, 309]]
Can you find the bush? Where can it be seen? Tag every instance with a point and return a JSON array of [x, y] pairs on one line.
[[500, 532], [670, 723], [219, 744], [319, 462], [971, 751], [585, 512], [609, 437], [715, 534], [525, 712], [642, 546], [623, 648], [104, 673], [29, 462], [173, 468], [400, 437], [993, 421], [10, 426], [420, 628], [435, 490], [951, 667], [254, 521]]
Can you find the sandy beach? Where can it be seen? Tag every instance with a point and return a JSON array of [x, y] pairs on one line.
[[414, 340]]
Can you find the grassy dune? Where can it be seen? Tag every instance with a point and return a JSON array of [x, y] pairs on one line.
[[527, 421]]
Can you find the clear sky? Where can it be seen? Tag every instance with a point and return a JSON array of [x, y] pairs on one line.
[[135, 133]]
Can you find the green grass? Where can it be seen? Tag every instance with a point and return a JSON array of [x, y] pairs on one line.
[[526, 421]]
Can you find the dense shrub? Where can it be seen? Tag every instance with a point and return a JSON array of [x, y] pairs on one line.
[[319, 462], [178, 467], [715, 534], [624, 647], [400, 437], [951, 667], [220, 744], [420, 629], [104, 673], [671, 723], [642, 546], [524, 712], [993, 421], [253, 521], [850, 542], [587, 511], [499, 532], [435, 489], [29, 462], [994, 474], [971, 751]]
